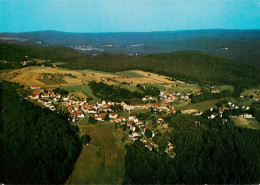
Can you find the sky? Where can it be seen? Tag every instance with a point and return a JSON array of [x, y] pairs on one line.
[[127, 15]]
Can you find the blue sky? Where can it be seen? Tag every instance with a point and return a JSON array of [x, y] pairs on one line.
[[127, 15]]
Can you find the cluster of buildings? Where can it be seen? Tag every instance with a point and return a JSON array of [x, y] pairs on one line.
[[38, 93], [229, 106], [171, 97], [163, 107]]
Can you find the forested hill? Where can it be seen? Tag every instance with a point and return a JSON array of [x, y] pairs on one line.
[[184, 65], [212, 153], [236, 45], [37, 146], [17, 53]]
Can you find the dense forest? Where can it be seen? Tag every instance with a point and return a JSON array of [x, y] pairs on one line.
[[211, 152], [14, 54], [38, 146], [191, 66], [118, 94]]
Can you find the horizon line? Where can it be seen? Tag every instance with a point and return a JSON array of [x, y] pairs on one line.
[[131, 31]]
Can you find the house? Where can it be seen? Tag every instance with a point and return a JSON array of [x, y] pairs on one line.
[[139, 123], [170, 146], [154, 105], [35, 97], [129, 123], [91, 111], [160, 118], [212, 116], [65, 98], [35, 87], [58, 96], [245, 115], [51, 93], [79, 114], [132, 117], [141, 106], [121, 119], [196, 123], [135, 134], [37, 92], [100, 117], [45, 95], [113, 117]]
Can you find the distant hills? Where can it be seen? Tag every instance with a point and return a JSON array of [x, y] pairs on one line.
[[236, 45], [17, 53], [191, 66]]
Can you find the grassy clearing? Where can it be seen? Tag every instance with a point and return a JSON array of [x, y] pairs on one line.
[[79, 95], [51, 81], [185, 88], [129, 87], [201, 105], [242, 101], [255, 92], [157, 86], [81, 88], [248, 123], [130, 74], [84, 121], [102, 162]]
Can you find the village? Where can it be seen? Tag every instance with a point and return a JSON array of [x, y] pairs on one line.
[[110, 112]]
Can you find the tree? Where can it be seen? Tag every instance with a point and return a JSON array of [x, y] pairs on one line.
[[92, 120], [148, 133], [85, 139], [37, 145]]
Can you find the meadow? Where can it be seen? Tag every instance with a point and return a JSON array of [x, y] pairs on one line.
[[102, 161]]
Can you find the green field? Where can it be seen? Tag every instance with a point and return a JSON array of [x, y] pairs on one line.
[[102, 162], [200, 106], [129, 87], [242, 102], [248, 123], [157, 86], [129, 74], [185, 88], [252, 91], [84, 121], [82, 88], [51, 81]]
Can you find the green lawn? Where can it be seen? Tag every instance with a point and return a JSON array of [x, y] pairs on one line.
[[102, 162], [129, 74], [83, 88]]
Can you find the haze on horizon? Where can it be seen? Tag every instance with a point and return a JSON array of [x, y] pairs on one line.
[[127, 15]]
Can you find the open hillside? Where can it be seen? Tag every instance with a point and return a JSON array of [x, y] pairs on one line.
[[184, 65]]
